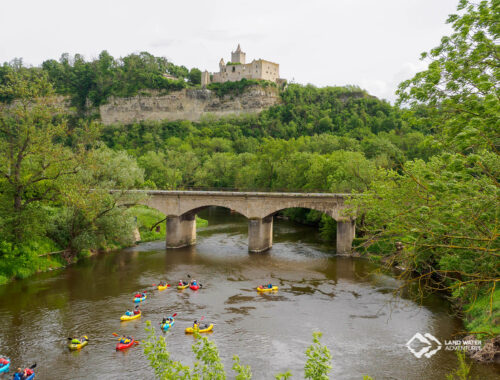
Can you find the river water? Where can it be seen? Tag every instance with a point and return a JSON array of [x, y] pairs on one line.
[[363, 325]]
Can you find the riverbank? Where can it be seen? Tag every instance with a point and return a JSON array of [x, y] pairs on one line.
[[44, 254]]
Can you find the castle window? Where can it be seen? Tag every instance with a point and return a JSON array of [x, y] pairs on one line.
[[234, 68]]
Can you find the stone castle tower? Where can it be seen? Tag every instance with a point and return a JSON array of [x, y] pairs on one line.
[[238, 56], [237, 69]]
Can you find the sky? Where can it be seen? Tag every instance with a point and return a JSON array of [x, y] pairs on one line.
[[374, 44]]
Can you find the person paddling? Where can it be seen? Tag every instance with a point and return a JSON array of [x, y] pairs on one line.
[[196, 325], [18, 375], [125, 339], [75, 340]]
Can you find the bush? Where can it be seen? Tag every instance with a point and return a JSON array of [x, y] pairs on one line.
[[236, 88], [208, 363]]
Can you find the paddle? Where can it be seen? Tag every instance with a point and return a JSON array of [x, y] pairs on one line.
[[33, 366]]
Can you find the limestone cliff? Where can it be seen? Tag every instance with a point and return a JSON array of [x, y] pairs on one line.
[[188, 104]]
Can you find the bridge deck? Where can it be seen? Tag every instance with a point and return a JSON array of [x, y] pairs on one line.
[[245, 193]]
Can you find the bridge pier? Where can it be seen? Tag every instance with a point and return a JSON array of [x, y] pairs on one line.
[[260, 234], [346, 230], [181, 230]]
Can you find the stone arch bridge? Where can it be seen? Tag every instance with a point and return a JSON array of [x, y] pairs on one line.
[[181, 207]]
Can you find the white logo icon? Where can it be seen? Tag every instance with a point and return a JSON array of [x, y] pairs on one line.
[[426, 350]]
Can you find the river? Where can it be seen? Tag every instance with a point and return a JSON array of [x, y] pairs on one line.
[[364, 326]]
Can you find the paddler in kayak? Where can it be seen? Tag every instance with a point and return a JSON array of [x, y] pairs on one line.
[[131, 313], [125, 339], [183, 283], [18, 375], [168, 320], [75, 340], [22, 374], [196, 325]]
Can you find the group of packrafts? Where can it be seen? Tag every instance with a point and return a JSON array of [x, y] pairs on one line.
[[20, 374], [125, 342]]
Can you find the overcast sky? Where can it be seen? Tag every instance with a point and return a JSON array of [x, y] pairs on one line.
[[371, 43]]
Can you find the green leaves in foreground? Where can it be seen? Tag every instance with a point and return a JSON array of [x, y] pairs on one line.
[[208, 363], [319, 360]]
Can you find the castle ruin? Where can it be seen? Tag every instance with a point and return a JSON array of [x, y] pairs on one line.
[[237, 69]]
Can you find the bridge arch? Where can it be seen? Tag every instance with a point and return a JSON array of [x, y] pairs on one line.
[[180, 207]]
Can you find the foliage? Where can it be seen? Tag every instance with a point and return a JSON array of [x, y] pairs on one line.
[[34, 163], [208, 363], [148, 218], [445, 210], [21, 261], [91, 216], [238, 87], [463, 80], [91, 83], [463, 370], [482, 314], [319, 360], [55, 180]]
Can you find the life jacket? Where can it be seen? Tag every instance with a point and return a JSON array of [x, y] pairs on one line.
[[4, 361], [136, 312], [75, 341], [29, 372], [138, 295]]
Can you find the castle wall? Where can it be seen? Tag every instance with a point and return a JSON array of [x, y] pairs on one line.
[[188, 104], [259, 69]]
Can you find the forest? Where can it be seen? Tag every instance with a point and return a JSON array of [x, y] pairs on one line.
[[428, 166]]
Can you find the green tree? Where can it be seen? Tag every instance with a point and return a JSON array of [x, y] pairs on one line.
[[34, 162], [194, 76], [462, 82], [445, 211], [92, 217]]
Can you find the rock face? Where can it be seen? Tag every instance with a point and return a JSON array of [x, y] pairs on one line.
[[188, 104]]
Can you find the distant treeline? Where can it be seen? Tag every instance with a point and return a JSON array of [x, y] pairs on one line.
[[91, 83]]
